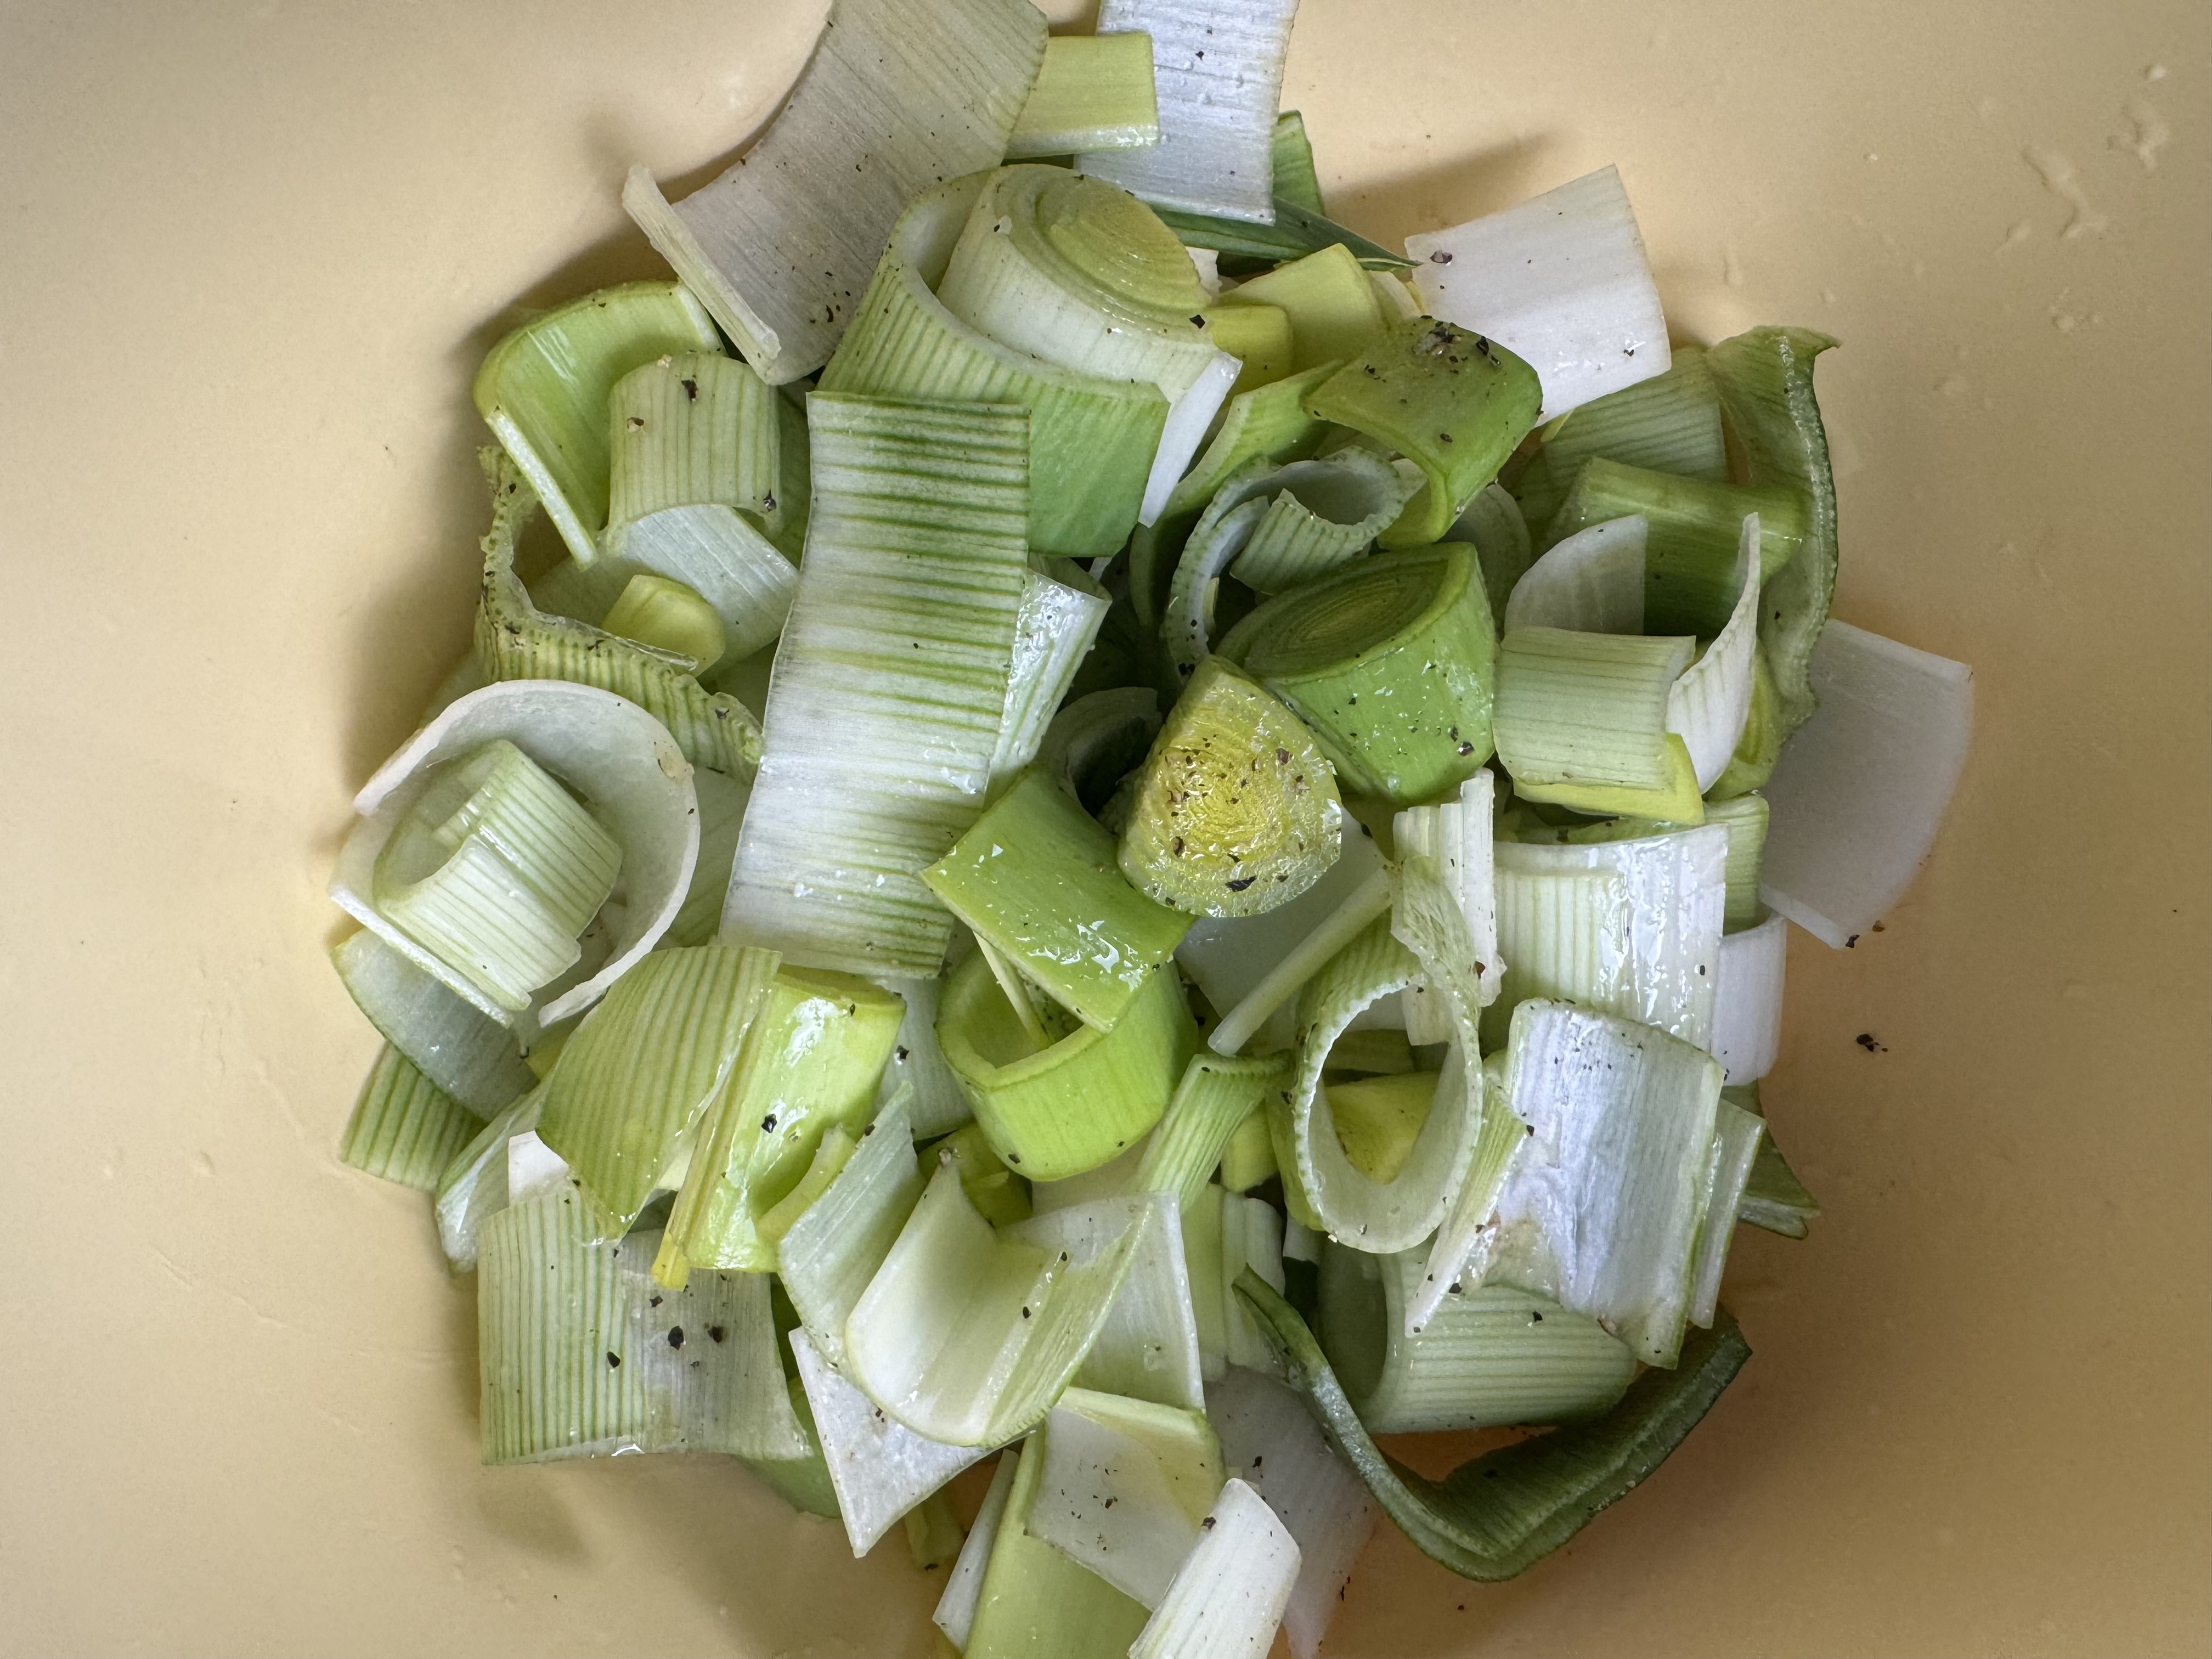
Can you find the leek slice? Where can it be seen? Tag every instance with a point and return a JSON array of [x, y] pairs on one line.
[[1862, 787], [1036, 878], [1097, 740], [1765, 379], [1091, 93], [404, 1127], [1498, 1515], [1494, 523], [1237, 812], [671, 617], [473, 1188], [722, 802], [1321, 513], [890, 683], [1218, 71], [1773, 1197], [1708, 707], [583, 1356], [1745, 819], [1737, 1135], [829, 1254], [812, 1055], [1489, 1354], [1747, 980], [458, 1050], [1216, 542], [967, 1336], [939, 1103], [1000, 1196], [1258, 335], [1333, 310], [1124, 1487], [1215, 1096], [542, 390], [1601, 1209], [1578, 709], [633, 1082], [1229, 1597], [963, 1589], [1092, 439], [1057, 1110], [1457, 836], [1561, 281], [517, 640], [880, 1468], [1668, 423], [1148, 1348], [1628, 927], [689, 431], [1292, 153], [1760, 746], [1059, 620], [741, 578], [611, 752], [1591, 582], [1451, 402], [1270, 422], [1251, 1237], [1249, 1157], [893, 100], [1037, 1602], [1389, 662], [802, 1481]]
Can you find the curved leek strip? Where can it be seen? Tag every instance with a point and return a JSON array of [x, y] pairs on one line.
[[1668, 423], [1389, 662], [1124, 1487], [583, 1356], [1863, 784], [1493, 522], [1334, 311], [542, 390], [889, 695], [1215, 544], [1148, 1348], [1218, 70], [472, 1058], [1561, 280], [1297, 231], [1737, 1136], [1498, 1515], [1092, 439], [955, 1614], [473, 1188], [939, 1104], [1215, 1096], [1071, 1107], [1628, 927], [967, 1336], [1760, 746], [1058, 623], [1229, 1596], [779, 244], [1745, 819], [1036, 1602], [516, 640], [1491, 1354], [735, 571], [686, 430], [813, 1053], [1000, 1197], [1257, 335], [1269, 421], [634, 1080], [1709, 706], [1749, 975], [1092, 92], [404, 1127], [1321, 513], [1097, 740], [1765, 382], [1578, 709], [1592, 582], [1773, 1197], [722, 801], [1456, 835], [1451, 402], [1236, 810], [1602, 1208], [833, 1249], [614, 754]]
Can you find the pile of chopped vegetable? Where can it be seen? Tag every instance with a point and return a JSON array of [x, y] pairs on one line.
[[1253, 914]]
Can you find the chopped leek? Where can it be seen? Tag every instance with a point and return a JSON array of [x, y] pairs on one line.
[[1298, 230], [1258, 337], [1269, 420], [463, 1052], [404, 1127], [1456, 833], [692, 431], [1668, 423], [1737, 1136], [1578, 709], [1091, 93], [473, 1188], [831, 1252], [1059, 620], [1124, 1487], [1747, 980], [1249, 1157], [1292, 152], [1333, 309], [1000, 1196], [1216, 1096], [1591, 581], [1096, 741], [1148, 1348], [1229, 1597], [1773, 1197], [964, 1590], [1037, 1601]]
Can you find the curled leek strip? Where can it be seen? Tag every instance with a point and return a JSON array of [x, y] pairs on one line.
[[1097, 740], [1321, 513], [1709, 706], [1592, 582]]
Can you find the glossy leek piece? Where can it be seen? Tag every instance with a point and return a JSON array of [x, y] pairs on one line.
[[1062, 611], [1036, 878], [462, 1051], [1450, 401], [1236, 809], [404, 1127], [1333, 309], [1055, 1110], [1390, 663], [1589, 709], [1038, 1602], [1229, 1596], [1092, 92], [671, 617]]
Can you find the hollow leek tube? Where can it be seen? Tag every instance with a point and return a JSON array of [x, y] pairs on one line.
[[1452, 401], [1236, 809], [1057, 1111], [1389, 662]]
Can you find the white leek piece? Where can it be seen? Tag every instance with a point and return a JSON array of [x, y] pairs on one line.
[[1092, 92], [1456, 835], [1271, 1443], [1737, 1136], [1148, 1348], [1218, 70], [1227, 1599], [1862, 787], [1467, 1239], [473, 1188], [1592, 582], [1561, 281], [404, 1127], [613, 754], [1039, 1603], [1057, 623], [1493, 521], [533, 1169], [473, 1058], [880, 1468], [890, 683], [1489, 1354], [1602, 1208], [834, 1248], [895, 99], [1708, 706], [583, 1356], [1628, 927], [717, 553], [963, 1588], [1124, 1487], [968, 1336], [1748, 1000], [940, 1104], [689, 431]]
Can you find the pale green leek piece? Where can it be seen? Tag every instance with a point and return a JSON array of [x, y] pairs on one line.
[[1092, 92], [404, 1127]]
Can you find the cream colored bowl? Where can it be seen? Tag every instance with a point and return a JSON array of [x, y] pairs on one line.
[[250, 255]]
